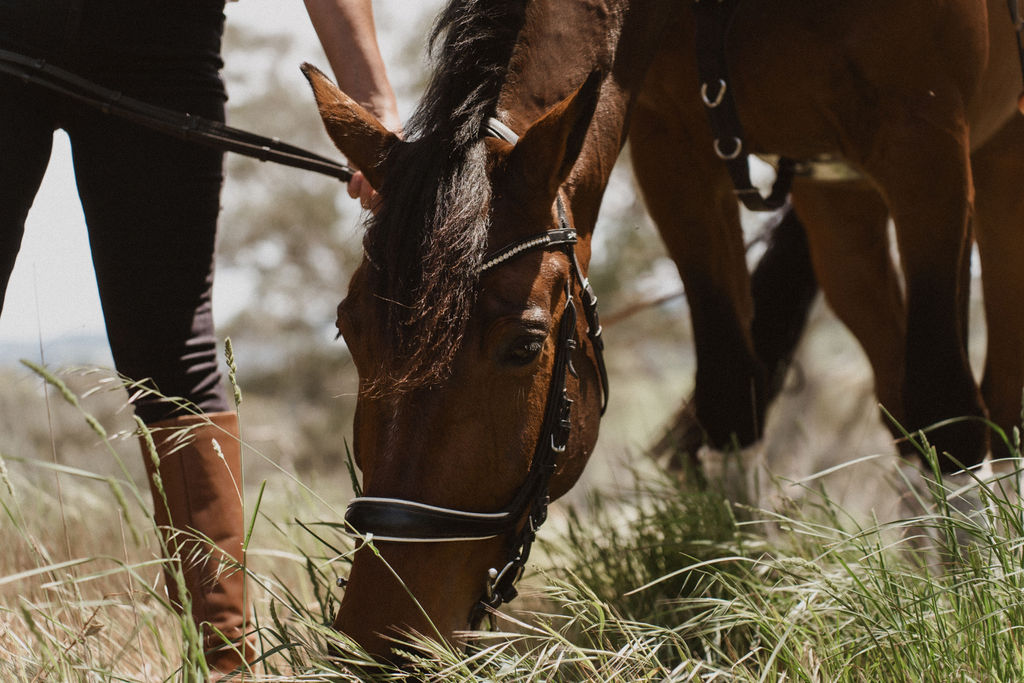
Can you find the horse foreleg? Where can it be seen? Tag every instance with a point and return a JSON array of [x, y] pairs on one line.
[[784, 287], [999, 223], [690, 198], [921, 165], [847, 232]]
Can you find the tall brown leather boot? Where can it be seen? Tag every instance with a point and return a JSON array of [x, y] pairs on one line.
[[202, 526]]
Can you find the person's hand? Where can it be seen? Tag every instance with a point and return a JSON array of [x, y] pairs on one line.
[[349, 38], [360, 188]]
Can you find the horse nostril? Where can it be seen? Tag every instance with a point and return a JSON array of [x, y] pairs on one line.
[[341, 582]]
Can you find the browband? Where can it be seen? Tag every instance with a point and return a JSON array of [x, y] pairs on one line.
[[544, 240]]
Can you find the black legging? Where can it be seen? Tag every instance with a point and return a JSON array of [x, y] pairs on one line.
[[150, 201]]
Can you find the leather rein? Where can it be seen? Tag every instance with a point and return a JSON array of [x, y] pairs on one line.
[[184, 126], [406, 521]]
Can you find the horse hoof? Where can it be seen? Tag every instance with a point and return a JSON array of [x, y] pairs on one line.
[[679, 445]]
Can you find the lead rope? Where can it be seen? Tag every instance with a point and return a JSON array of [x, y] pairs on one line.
[[183, 126]]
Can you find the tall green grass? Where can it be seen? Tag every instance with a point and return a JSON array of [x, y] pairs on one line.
[[659, 581]]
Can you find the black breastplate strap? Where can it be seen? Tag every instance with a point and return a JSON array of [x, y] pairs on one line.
[[713, 18]]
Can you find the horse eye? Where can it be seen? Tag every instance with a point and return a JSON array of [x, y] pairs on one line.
[[525, 350]]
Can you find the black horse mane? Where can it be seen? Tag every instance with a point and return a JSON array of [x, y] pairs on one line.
[[426, 243]]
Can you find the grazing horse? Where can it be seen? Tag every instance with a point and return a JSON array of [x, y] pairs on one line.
[[470, 319]]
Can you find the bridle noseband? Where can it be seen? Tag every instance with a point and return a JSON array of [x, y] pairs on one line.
[[405, 521]]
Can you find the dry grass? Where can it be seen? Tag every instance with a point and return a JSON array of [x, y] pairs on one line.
[[80, 594]]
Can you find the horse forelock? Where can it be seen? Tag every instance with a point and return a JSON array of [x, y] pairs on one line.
[[427, 242]]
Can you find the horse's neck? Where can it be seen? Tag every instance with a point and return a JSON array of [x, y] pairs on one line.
[[561, 42]]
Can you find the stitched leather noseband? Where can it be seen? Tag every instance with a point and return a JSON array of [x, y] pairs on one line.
[[406, 521]]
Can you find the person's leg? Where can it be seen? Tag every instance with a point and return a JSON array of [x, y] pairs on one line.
[[26, 137], [151, 203], [195, 474], [27, 118]]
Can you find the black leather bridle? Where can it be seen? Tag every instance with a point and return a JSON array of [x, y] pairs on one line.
[[406, 521]]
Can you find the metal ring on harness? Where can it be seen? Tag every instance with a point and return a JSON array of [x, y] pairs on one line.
[[735, 153], [712, 102]]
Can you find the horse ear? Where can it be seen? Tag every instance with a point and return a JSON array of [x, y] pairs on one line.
[[551, 146], [355, 131]]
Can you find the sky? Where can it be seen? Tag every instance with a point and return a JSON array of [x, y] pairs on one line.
[[51, 301]]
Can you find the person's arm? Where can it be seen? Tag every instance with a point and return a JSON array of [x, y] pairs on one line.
[[349, 38]]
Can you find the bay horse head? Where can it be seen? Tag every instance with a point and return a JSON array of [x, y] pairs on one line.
[[478, 351]]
